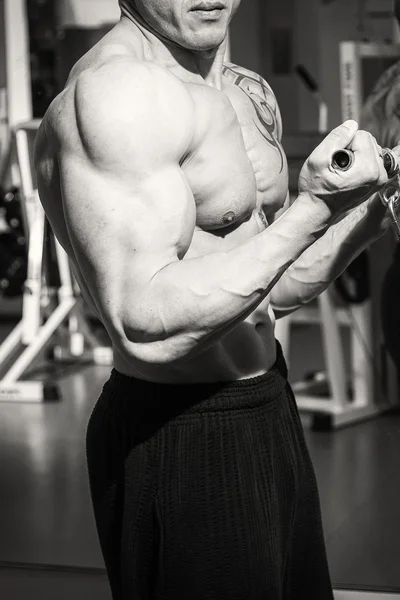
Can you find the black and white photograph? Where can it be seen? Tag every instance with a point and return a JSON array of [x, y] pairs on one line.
[[199, 300]]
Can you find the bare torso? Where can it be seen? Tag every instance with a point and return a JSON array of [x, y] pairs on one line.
[[238, 177]]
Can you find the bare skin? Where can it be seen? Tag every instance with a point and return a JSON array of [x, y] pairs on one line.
[[161, 171]]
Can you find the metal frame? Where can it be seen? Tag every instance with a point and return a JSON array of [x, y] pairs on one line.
[[41, 320], [340, 409], [350, 55], [19, 99], [17, 95], [44, 311]]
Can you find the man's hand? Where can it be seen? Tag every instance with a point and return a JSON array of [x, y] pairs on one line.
[[322, 262], [332, 191], [384, 219]]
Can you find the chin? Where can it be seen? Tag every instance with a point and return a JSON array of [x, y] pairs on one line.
[[205, 40]]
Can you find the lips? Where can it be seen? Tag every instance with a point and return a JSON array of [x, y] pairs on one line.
[[209, 6]]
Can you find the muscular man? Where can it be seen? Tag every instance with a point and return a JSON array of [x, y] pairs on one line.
[[160, 168]]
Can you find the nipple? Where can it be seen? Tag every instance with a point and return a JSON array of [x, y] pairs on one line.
[[228, 217]]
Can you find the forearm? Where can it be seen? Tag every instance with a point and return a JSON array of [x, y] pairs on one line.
[[325, 260], [192, 303]]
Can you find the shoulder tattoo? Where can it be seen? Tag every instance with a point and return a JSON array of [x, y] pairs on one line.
[[267, 118]]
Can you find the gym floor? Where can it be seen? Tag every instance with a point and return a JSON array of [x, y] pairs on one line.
[[48, 544]]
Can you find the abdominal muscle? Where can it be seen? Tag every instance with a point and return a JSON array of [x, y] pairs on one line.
[[247, 351]]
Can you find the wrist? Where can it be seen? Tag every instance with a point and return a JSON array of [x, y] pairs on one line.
[[375, 215], [316, 211]]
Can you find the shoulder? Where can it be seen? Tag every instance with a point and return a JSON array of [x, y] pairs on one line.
[[249, 81], [129, 76], [131, 89], [124, 102]]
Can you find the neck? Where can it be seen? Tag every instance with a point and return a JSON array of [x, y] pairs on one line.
[[188, 65]]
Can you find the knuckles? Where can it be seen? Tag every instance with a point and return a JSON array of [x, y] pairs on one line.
[[316, 162], [373, 174]]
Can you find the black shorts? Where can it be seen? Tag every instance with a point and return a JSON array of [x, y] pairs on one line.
[[206, 491]]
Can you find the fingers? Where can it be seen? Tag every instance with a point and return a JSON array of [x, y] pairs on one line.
[[362, 142], [339, 138], [383, 175], [369, 155]]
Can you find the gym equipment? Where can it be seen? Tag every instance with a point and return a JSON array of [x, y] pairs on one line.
[[312, 86], [13, 259], [390, 162], [390, 197], [344, 159], [368, 385], [50, 296]]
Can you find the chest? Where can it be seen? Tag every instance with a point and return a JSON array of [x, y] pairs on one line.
[[237, 165]]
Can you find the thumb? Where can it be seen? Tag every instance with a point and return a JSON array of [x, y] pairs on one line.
[[340, 137]]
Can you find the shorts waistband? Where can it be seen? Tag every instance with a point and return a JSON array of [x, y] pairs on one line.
[[165, 400]]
